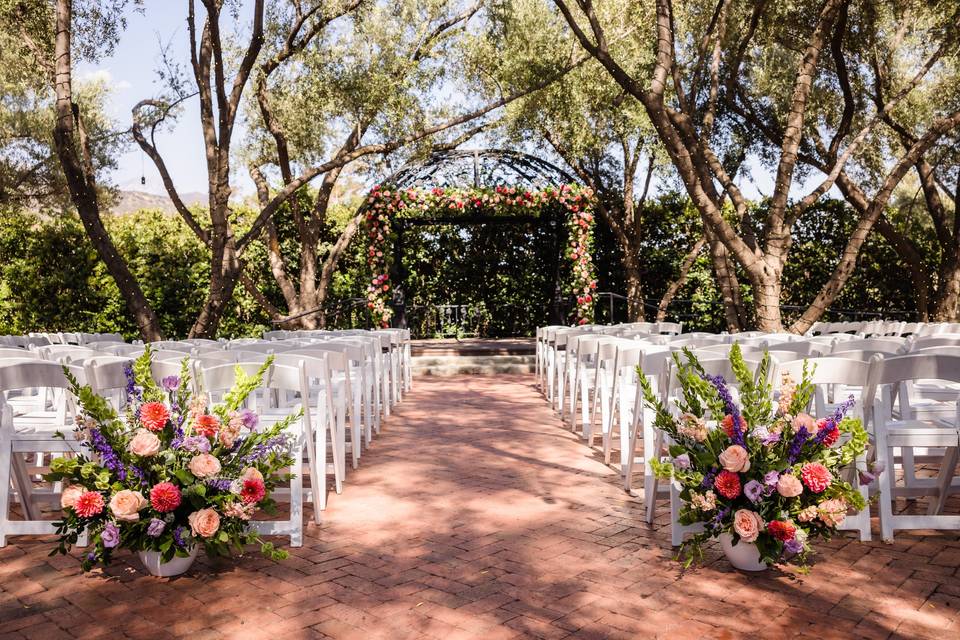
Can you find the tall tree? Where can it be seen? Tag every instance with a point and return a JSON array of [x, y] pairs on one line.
[[48, 33], [298, 34], [716, 58]]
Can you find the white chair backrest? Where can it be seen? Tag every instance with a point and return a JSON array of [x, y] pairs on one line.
[[886, 345], [12, 352], [865, 355], [925, 342], [671, 328], [65, 352], [910, 367], [724, 349], [31, 374], [120, 349], [825, 372], [802, 347]]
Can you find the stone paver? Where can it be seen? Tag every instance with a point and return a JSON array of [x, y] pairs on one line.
[[475, 515]]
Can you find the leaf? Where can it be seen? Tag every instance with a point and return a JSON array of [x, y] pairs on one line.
[[143, 376]]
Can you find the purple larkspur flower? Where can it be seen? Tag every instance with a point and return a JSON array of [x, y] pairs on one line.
[[110, 536], [250, 419], [682, 461], [717, 520], [195, 444], [753, 490], [277, 444], [708, 478], [793, 451], [170, 383], [133, 391], [156, 527], [220, 484], [108, 457], [730, 407]]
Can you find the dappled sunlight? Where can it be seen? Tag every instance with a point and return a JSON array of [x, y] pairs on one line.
[[477, 514]]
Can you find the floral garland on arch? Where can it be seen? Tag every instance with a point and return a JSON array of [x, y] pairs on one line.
[[385, 204]]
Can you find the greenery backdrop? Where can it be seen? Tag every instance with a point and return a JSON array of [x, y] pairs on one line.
[[52, 280]]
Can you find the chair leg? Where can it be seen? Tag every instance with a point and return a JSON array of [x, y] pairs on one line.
[[318, 481], [296, 496], [21, 477], [947, 468], [885, 487], [5, 461], [585, 414]]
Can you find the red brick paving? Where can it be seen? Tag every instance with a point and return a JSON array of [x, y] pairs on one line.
[[475, 515]]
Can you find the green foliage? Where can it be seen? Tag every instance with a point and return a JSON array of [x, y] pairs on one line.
[[52, 280], [144, 378], [244, 385]]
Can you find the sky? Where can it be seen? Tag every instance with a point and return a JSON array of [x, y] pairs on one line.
[[131, 72]]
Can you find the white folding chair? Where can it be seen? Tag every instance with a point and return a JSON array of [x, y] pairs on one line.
[[50, 430], [825, 373], [886, 378], [324, 419]]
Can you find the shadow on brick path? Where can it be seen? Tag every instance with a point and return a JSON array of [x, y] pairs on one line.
[[476, 515]]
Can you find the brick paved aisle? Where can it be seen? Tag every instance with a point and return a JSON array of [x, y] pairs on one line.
[[476, 515]]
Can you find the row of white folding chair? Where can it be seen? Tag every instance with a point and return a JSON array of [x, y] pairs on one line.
[[290, 385], [931, 328]]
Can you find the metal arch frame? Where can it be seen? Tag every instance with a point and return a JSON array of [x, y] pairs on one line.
[[484, 163], [480, 168]]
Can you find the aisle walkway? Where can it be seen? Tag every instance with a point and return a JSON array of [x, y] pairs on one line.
[[475, 515]]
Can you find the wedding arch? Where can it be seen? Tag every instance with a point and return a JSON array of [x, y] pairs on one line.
[[479, 187]]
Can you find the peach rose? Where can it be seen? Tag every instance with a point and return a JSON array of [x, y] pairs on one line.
[[805, 420], [204, 465], [125, 505], [204, 523], [789, 486], [70, 494], [251, 473], [748, 524], [735, 458], [144, 444]]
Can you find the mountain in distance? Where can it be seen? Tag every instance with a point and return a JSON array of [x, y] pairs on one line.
[[130, 201]]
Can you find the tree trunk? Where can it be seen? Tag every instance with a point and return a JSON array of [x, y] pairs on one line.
[[74, 155], [674, 287], [946, 303], [733, 311], [918, 270], [631, 265], [766, 300], [225, 269]]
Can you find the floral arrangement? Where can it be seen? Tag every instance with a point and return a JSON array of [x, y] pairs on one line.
[[385, 204], [171, 472], [767, 475]]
